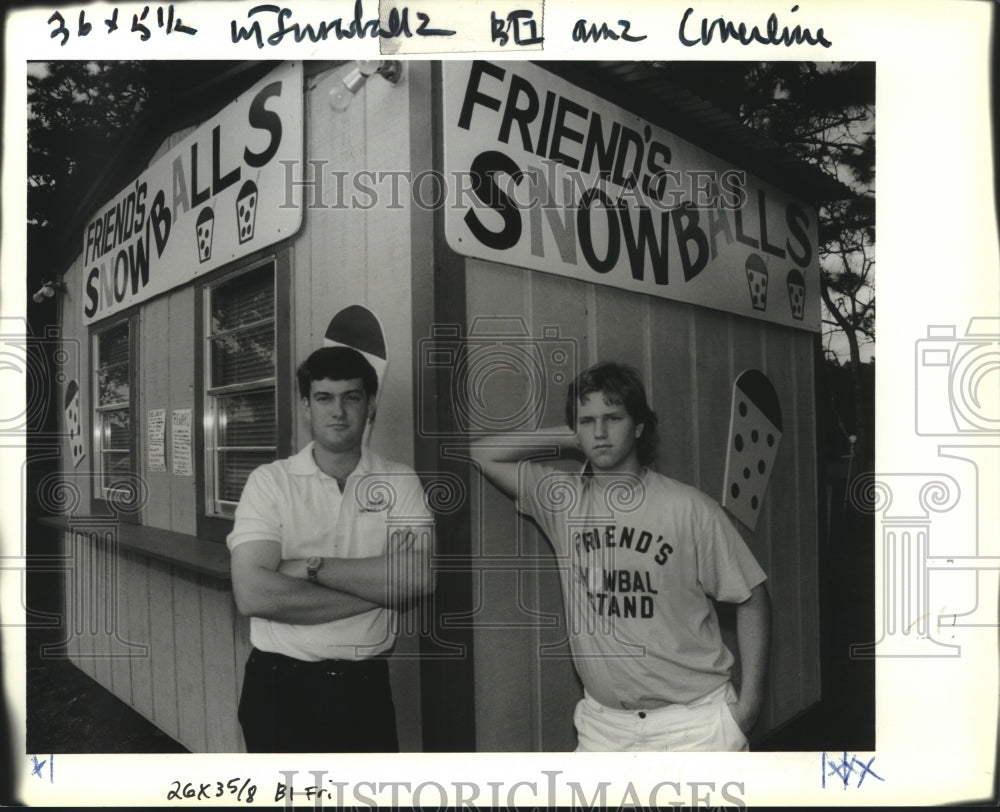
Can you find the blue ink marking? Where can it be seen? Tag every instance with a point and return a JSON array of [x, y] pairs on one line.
[[36, 767], [844, 769]]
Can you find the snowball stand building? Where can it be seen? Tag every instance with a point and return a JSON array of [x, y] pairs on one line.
[[510, 224]]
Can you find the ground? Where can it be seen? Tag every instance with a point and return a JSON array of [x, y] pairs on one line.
[[68, 712]]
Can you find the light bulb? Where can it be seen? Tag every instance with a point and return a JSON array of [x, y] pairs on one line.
[[367, 67], [341, 96]]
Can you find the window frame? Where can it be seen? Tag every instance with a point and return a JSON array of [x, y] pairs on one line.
[[99, 502], [210, 525]]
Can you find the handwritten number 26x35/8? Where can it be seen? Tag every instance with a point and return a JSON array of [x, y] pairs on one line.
[[213, 789]]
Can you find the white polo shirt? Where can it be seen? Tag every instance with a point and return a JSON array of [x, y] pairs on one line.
[[293, 502]]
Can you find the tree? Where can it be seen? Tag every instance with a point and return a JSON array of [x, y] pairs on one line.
[[76, 114], [824, 113], [80, 115]]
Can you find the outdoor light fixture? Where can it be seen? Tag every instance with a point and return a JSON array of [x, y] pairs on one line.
[[389, 69], [48, 290]]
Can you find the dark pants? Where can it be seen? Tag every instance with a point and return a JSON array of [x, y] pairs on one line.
[[331, 706]]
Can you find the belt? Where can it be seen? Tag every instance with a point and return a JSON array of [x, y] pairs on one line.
[[668, 707], [333, 668]]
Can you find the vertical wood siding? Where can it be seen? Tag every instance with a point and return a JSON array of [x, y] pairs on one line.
[[189, 681], [689, 358], [186, 681], [136, 583], [354, 255]]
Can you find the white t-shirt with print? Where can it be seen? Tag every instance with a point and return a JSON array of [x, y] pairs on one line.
[[641, 560]]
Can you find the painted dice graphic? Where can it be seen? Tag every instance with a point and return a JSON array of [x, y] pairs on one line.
[[796, 293], [71, 409], [204, 228], [754, 436], [757, 280], [246, 210]]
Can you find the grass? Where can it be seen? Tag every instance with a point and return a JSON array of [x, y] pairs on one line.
[[68, 712]]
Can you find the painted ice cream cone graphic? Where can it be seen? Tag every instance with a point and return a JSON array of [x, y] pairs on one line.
[[246, 210], [796, 293], [757, 280], [204, 229], [359, 328]]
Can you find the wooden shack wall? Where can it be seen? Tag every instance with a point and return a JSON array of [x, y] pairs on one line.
[[689, 356], [383, 256], [344, 254], [164, 639]]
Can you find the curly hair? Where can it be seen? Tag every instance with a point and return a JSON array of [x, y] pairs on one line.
[[619, 383], [336, 364]]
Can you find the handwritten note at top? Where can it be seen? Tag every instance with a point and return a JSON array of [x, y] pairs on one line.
[[142, 24], [426, 27], [478, 25]]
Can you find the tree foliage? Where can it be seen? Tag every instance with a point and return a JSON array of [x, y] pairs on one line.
[[823, 113], [78, 114]]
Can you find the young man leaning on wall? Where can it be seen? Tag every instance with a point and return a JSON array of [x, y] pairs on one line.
[[647, 556]]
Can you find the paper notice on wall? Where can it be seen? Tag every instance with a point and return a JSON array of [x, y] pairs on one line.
[[156, 423], [180, 441]]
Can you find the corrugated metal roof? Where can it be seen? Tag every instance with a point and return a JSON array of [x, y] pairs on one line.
[[643, 90]]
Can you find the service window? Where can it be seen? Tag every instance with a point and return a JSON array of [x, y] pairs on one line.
[[240, 408], [114, 354]]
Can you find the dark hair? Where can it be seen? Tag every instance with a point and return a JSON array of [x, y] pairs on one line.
[[620, 384], [337, 364]]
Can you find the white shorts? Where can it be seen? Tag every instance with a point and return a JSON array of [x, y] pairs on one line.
[[706, 724]]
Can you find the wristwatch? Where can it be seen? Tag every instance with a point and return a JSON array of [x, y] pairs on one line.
[[312, 568]]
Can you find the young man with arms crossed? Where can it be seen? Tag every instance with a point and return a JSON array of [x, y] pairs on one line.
[[646, 556], [315, 568]]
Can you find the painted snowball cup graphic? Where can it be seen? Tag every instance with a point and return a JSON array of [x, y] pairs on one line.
[[204, 229], [796, 293], [246, 210], [757, 280]]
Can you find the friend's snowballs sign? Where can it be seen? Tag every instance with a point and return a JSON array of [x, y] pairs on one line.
[[213, 198], [559, 180]]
